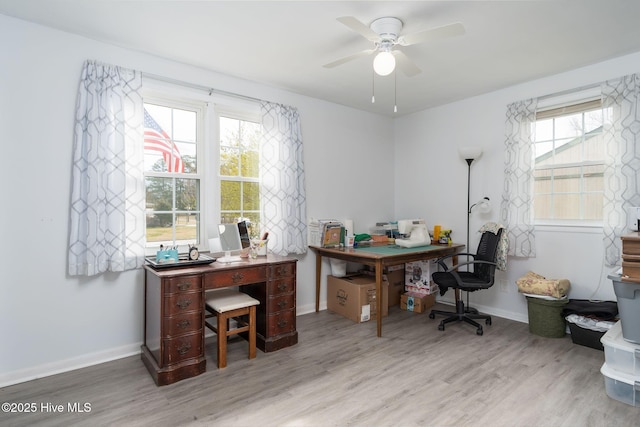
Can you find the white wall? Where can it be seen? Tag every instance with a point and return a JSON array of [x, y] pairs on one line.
[[50, 322], [431, 182]]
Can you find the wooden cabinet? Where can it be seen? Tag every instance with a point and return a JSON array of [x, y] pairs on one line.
[[276, 314], [173, 347], [631, 257], [174, 336]]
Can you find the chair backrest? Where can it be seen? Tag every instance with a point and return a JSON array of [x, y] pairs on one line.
[[487, 251]]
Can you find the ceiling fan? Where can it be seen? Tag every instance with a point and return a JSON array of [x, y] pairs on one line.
[[385, 34]]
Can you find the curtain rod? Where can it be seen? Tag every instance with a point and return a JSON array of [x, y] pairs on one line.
[[210, 90]]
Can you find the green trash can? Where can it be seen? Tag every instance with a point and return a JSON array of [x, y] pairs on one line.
[[545, 316]]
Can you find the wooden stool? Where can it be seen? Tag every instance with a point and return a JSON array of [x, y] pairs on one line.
[[226, 304]]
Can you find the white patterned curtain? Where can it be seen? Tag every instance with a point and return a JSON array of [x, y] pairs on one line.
[[282, 186], [517, 198], [107, 196], [620, 99]]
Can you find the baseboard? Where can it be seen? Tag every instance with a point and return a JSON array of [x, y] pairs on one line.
[[67, 365]]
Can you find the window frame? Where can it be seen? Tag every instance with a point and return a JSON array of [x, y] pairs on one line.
[[556, 108], [247, 113], [208, 161]]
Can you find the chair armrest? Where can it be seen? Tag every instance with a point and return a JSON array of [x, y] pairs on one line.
[[440, 261], [454, 270]]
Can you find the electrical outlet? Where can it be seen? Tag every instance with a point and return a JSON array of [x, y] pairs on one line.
[[504, 285]]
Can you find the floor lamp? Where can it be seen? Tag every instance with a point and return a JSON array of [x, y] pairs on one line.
[[469, 154]]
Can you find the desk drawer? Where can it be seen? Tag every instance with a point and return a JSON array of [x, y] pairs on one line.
[[221, 279], [182, 284], [281, 286], [281, 302], [282, 270], [182, 323], [182, 348], [182, 303], [281, 322]]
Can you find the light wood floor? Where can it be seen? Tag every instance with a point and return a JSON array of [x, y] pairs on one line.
[[340, 374]]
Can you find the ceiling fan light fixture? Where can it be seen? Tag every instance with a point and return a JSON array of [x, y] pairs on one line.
[[384, 63]]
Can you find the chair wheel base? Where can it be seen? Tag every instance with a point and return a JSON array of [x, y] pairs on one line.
[[441, 327], [479, 331]]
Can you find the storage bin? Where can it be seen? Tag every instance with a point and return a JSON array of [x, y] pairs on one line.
[[585, 337], [620, 386], [619, 354], [628, 295], [545, 316]]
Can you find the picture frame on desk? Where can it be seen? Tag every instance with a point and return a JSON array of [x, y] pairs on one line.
[[331, 235]]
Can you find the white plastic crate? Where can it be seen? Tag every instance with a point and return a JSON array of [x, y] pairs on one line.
[[620, 386], [620, 354]]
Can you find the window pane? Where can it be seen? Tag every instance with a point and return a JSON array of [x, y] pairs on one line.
[[250, 164], [229, 161], [187, 191], [184, 123], [568, 126], [251, 196], [187, 228], [159, 194], [593, 205], [566, 180], [159, 228], [542, 206], [230, 195], [229, 132], [544, 130], [566, 206]]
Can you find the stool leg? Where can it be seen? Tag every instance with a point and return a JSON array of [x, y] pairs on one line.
[[222, 340], [252, 332]]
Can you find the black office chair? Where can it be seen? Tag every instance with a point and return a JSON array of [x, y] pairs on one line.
[[481, 277]]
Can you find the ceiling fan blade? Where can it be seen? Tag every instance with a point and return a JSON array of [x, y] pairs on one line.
[[407, 66], [359, 27], [450, 30], [349, 58]]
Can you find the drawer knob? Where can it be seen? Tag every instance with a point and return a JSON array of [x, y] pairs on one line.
[[183, 303], [184, 323], [237, 277], [282, 323], [282, 286], [282, 303], [184, 286], [184, 348]]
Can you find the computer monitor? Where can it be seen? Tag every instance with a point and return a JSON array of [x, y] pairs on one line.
[[229, 242]]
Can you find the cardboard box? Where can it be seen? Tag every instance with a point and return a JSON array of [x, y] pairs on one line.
[[418, 277], [394, 274], [417, 303], [354, 297]]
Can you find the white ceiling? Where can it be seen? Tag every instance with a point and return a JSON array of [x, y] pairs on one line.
[[285, 44]]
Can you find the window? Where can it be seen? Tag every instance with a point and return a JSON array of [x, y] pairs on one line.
[[173, 137], [569, 164], [239, 170]]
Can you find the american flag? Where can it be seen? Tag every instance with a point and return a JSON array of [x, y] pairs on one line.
[[155, 139]]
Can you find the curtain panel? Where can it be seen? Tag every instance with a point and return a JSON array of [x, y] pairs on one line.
[[620, 103], [517, 198], [282, 182], [106, 230]]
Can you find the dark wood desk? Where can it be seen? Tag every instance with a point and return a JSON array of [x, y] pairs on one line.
[[380, 256], [173, 347]]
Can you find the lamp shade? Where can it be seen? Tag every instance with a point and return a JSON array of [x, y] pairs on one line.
[[470, 152], [384, 63]]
